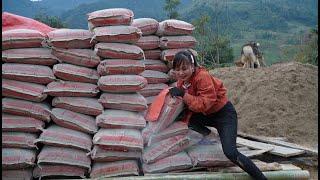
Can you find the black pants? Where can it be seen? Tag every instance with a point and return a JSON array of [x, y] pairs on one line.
[[226, 122]]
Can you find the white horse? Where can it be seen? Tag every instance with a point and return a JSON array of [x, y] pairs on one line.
[[248, 58]]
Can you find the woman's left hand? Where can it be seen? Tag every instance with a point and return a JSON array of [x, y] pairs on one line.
[[176, 92]]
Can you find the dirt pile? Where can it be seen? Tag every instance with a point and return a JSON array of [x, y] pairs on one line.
[[280, 100]]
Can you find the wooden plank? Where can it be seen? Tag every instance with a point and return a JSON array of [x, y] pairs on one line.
[[274, 149], [279, 141], [252, 153], [287, 167]]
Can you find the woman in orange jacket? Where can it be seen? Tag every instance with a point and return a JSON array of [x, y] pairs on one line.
[[206, 99]]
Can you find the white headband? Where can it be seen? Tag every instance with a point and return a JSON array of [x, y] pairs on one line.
[[192, 60]]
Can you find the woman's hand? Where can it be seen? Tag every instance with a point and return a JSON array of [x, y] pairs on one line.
[[176, 92]]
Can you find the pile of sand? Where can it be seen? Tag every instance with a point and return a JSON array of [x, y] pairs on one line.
[[280, 100]]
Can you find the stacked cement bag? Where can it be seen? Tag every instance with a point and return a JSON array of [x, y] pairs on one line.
[[25, 71], [175, 35], [166, 140], [155, 71], [68, 140], [118, 143]]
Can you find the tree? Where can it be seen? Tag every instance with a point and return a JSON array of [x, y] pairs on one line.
[[51, 21], [170, 7]]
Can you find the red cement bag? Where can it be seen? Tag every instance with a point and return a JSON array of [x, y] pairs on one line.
[[19, 140], [177, 42], [19, 107], [75, 73], [71, 38], [148, 26], [208, 156], [13, 21], [101, 155], [28, 73], [148, 42], [112, 169], [178, 161], [156, 65], [174, 27], [25, 174], [23, 90], [170, 146], [110, 17], [22, 38], [21, 124], [84, 105], [168, 54], [81, 57], [17, 158], [120, 66], [119, 139], [37, 56], [155, 77], [152, 54], [58, 170], [73, 120], [64, 156], [129, 102], [63, 137], [69, 88], [112, 118], [152, 89], [121, 83], [119, 34], [118, 51]]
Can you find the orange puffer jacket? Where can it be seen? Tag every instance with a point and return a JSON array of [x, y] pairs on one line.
[[206, 94]]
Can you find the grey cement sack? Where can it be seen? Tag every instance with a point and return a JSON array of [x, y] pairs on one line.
[[62, 155], [19, 107], [156, 65], [13, 123], [148, 42], [18, 158], [19, 140], [73, 89], [152, 89], [23, 90], [25, 174], [208, 155], [155, 77], [119, 139], [122, 83], [22, 38], [75, 73], [112, 169], [37, 56], [110, 17], [178, 161], [176, 128], [113, 118], [117, 34], [80, 57], [174, 27], [28, 73], [120, 66], [63, 137], [129, 101], [118, 51], [84, 105], [101, 155], [73, 120], [152, 54], [148, 26], [177, 42], [168, 54], [170, 146], [48, 170], [150, 99], [71, 38]]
